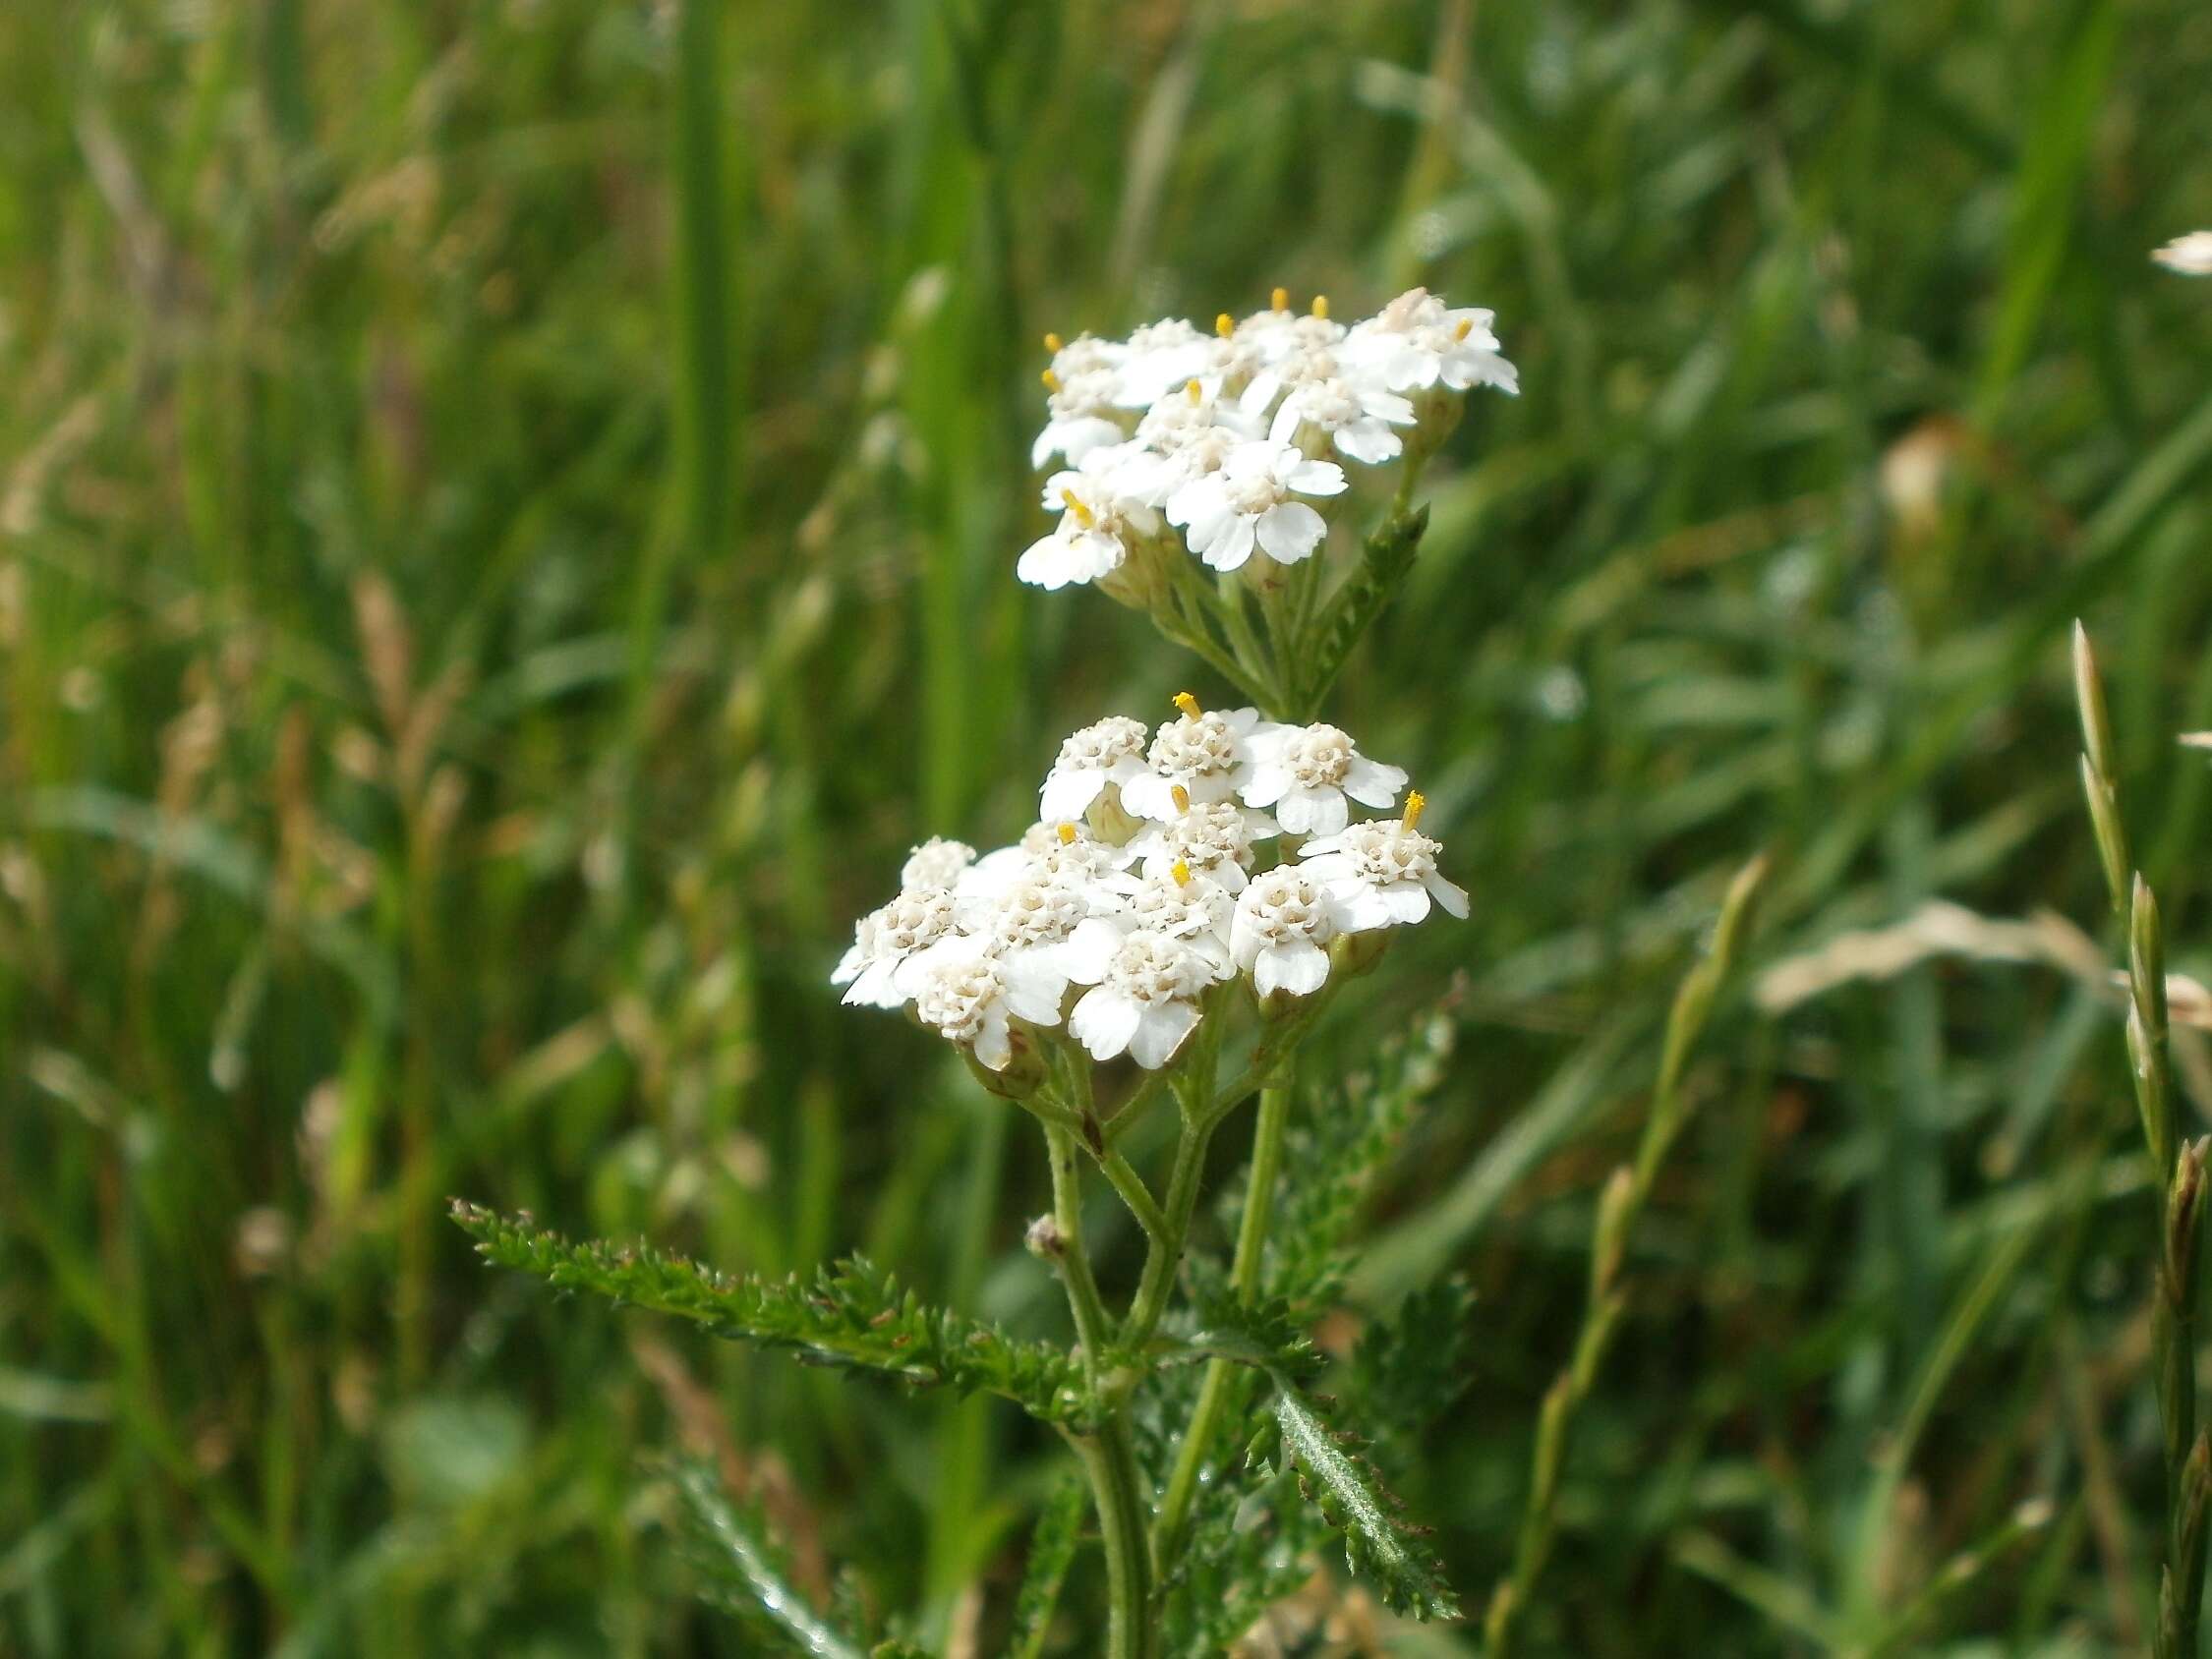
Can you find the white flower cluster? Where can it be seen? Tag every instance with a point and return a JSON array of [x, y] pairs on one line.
[[1231, 436], [1141, 888]]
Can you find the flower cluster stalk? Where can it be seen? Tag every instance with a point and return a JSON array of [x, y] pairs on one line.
[[2178, 1170], [1619, 1206]]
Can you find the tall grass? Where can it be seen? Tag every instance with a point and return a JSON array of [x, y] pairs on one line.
[[497, 503]]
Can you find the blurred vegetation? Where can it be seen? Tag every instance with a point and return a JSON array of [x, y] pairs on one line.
[[507, 520]]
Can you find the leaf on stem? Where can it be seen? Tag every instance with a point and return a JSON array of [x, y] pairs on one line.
[[1380, 1543], [851, 1314]]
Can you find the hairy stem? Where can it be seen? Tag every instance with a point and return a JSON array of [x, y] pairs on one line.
[[1110, 1463], [1068, 1255], [1109, 1460], [1166, 1253]]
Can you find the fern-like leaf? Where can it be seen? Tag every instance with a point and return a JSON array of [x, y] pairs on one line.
[[1383, 565], [1411, 1366], [1381, 1544], [852, 1314]]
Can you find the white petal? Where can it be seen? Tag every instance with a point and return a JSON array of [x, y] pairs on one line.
[[1317, 478], [1290, 531], [1450, 896], [1034, 985], [1067, 792], [1301, 968], [1103, 1022], [1232, 547], [1407, 901], [1369, 442], [1371, 783], [1267, 785], [1160, 1032], [1359, 910], [992, 1045], [1085, 952], [874, 988], [1043, 564]]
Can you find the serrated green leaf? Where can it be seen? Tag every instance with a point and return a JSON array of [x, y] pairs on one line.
[[1412, 1365], [1380, 1543], [1270, 1335], [851, 1314], [741, 1572], [1052, 1549]]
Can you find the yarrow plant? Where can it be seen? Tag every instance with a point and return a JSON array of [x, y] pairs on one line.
[[1191, 900]]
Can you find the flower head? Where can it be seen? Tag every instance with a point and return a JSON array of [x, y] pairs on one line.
[[1081, 388], [1107, 755], [1160, 357], [1064, 852], [885, 938], [1417, 341], [1381, 873], [971, 996], [1098, 525], [1356, 416], [1277, 935], [1144, 1001], [936, 863], [1252, 502], [1202, 752], [1279, 332], [1212, 838], [1305, 772]]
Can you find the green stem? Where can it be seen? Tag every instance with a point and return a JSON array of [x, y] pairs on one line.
[[1109, 1460], [1243, 1278], [1166, 1253], [1245, 641], [1110, 1463], [1135, 1194], [1073, 1262]]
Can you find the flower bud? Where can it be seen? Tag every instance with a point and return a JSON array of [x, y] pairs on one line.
[[1436, 413], [1355, 954], [1110, 820], [1044, 1239], [1022, 1075]]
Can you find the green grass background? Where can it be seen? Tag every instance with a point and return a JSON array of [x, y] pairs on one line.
[[507, 522]]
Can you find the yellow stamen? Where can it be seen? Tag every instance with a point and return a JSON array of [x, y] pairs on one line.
[[1181, 797], [1187, 704], [1050, 379], [1321, 307], [1067, 834], [1075, 504], [1053, 343], [1181, 873], [1415, 801], [1465, 329], [1192, 390], [1280, 299], [1224, 325]]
